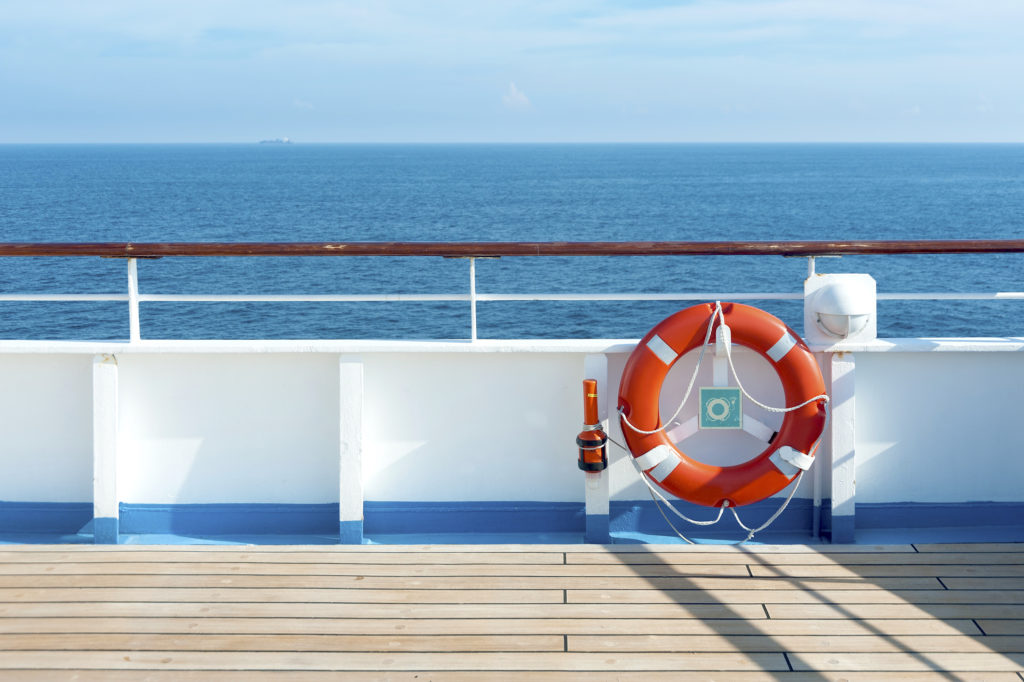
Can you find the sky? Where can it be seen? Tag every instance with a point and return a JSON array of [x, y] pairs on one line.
[[512, 71]]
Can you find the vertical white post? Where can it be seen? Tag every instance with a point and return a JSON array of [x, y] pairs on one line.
[[824, 361], [104, 449], [596, 500], [472, 298], [350, 450], [810, 266], [134, 330], [842, 439]]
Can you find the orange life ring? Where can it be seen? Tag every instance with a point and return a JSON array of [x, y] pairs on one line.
[[685, 477]]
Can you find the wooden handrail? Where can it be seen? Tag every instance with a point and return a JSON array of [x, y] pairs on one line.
[[498, 249]]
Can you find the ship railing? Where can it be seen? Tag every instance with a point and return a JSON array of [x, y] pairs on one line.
[[471, 251]]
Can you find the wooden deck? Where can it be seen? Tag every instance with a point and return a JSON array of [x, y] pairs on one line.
[[534, 612]]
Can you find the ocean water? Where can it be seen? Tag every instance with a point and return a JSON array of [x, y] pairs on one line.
[[305, 192]]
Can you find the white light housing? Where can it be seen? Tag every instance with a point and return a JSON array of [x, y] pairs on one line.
[[839, 308]]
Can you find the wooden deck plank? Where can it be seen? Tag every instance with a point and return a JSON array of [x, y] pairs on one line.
[[971, 548], [56, 609], [279, 641], [389, 661], [279, 595], [943, 571], [901, 611], [493, 676], [1002, 627], [799, 643], [499, 626], [984, 583], [368, 581], [898, 662], [866, 595], [806, 559], [939, 570], [407, 570], [525, 612], [789, 594], [505, 643]]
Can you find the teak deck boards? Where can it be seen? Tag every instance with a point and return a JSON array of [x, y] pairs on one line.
[[540, 612]]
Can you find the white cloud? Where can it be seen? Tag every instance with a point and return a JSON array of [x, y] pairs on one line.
[[516, 99]]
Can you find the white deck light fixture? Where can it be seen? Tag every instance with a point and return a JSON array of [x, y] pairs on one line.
[[840, 308]]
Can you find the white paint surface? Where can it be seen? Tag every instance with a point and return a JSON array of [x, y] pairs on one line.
[[472, 427], [46, 428], [198, 429], [260, 421], [350, 438], [104, 436], [842, 435], [939, 428]]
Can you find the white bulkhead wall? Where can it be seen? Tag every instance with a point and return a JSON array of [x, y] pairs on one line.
[[940, 427], [472, 427], [46, 428], [263, 427], [247, 428]]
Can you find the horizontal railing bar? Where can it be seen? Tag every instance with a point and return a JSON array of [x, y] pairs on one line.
[[312, 298], [299, 298], [371, 298], [703, 296], [63, 297], [999, 295], [498, 249]]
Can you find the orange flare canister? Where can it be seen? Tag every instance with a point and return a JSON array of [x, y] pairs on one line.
[[592, 441]]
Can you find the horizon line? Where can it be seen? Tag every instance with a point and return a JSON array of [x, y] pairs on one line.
[[292, 142]]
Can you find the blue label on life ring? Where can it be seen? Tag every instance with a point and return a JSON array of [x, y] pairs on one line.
[[721, 408]]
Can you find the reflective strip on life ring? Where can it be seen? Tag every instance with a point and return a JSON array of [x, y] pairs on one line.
[[758, 478]]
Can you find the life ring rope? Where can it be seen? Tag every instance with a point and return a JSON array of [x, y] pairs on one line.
[[689, 387], [720, 314], [656, 495], [664, 458], [788, 342]]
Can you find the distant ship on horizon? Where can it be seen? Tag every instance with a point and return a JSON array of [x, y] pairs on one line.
[[277, 140]]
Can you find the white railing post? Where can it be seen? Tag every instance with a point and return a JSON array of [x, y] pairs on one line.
[[134, 330], [350, 450], [842, 438], [598, 517], [104, 450], [472, 299]]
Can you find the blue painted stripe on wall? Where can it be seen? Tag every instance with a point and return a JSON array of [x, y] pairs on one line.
[[379, 518], [842, 529], [482, 517], [473, 517], [44, 517], [185, 519], [938, 514], [350, 532], [598, 529], [105, 531]]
